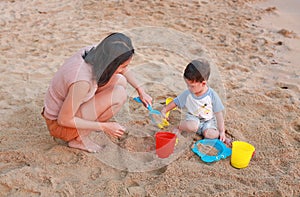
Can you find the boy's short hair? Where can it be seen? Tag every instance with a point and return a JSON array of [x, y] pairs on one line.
[[197, 70]]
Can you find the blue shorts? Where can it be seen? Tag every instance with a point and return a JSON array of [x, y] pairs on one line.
[[202, 125]]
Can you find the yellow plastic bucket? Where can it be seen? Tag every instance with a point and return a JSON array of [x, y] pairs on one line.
[[241, 154]]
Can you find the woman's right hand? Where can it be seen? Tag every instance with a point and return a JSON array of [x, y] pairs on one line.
[[113, 129]]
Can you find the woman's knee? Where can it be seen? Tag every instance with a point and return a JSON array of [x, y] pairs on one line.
[[121, 80], [116, 80], [119, 95]]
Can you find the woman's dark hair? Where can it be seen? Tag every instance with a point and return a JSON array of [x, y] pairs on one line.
[[106, 58], [197, 70]]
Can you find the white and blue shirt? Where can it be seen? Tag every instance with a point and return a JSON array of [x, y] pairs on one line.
[[203, 106]]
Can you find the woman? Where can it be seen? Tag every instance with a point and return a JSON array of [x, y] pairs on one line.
[[88, 90]]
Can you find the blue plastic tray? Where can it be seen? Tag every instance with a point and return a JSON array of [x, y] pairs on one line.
[[223, 150]]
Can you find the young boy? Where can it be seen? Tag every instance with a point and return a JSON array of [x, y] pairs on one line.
[[204, 106]]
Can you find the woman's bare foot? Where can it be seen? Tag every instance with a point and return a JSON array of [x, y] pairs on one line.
[[85, 144]]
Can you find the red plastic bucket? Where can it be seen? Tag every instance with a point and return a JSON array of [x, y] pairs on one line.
[[165, 142]]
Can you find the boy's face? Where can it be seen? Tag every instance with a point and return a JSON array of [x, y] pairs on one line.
[[195, 87]]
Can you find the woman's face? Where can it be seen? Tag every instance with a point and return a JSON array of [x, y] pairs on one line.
[[123, 67]]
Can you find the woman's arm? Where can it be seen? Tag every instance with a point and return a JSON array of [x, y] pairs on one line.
[[135, 84]]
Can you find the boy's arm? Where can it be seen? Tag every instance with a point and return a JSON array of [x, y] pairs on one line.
[[168, 108], [220, 125]]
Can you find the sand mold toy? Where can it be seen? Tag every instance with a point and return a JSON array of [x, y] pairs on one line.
[[223, 150]]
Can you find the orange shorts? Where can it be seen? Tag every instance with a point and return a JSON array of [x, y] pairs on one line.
[[65, 133]]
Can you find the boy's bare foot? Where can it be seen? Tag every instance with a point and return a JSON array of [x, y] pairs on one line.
[[86, 145]]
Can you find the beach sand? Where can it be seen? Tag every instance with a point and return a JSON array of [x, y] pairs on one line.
[[253, 47]]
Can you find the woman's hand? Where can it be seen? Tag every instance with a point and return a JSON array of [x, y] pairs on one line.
[[113, 129], [145, 98]]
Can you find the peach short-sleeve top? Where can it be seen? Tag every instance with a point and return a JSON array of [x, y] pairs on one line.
[[73, 70]]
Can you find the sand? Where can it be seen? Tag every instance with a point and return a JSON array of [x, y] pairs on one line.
[[253, 47]]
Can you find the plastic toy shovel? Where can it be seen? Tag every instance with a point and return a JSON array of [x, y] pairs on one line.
[[155, 115]]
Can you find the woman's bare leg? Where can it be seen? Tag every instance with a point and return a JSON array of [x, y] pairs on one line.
[[107, 102]]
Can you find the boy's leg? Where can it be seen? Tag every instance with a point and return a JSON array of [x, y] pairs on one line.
[[209, 129], [189, 126], [211, 133], [214, 134]]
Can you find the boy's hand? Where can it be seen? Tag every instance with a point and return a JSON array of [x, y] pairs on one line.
[[222, 136]]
